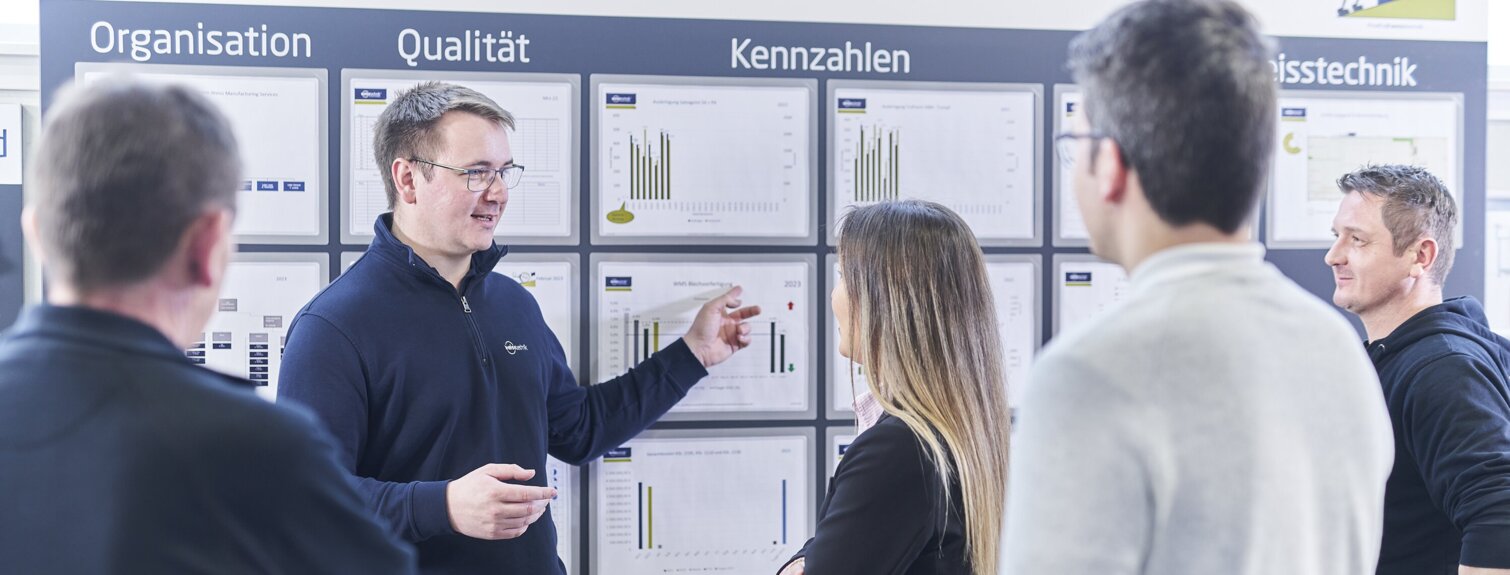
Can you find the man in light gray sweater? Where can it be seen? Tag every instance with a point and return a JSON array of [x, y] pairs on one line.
[[1221, 419]]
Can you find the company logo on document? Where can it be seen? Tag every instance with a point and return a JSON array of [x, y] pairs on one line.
[[617, 455], [620, 101], [371, 95], [1398, 9], [618, 283], [513, 348], [526, 279], [1077, 279], [851, 105]]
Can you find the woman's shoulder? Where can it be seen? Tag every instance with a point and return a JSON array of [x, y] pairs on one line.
[[888, 438], [890, 458]]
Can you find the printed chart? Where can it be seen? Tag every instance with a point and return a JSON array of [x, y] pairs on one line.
[[644, 306], [283, 176], [969, 149], [701, 504], [679, 160], [258, 299], [1321, 138]]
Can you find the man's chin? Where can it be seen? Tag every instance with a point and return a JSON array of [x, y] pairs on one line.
[[1346, 304]]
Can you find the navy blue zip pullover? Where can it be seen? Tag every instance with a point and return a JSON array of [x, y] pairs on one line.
[[1448, 499], [117, 455], [422, 383]]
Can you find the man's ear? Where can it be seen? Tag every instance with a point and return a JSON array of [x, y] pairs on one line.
[[403, 172], [207, 246], [1425, 252], [29, 231], [1111, 172]]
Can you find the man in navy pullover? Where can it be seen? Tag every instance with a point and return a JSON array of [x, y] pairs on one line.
[[1447, 502], [440, 379]]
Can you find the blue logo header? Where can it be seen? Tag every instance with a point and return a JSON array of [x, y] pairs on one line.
[[1077, 277], [1292, 112], [372, 93], [622, 281], [621, 99], [851, 103], [617, 453]]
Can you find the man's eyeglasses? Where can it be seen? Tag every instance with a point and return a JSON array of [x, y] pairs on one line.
[[1066, 143], [480, 179]]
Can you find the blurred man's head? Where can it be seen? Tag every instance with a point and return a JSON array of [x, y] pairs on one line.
[[135, 190], [1395, 235], [1178, 116]]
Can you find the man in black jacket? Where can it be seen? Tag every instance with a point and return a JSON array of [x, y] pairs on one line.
[[1447, 502], [117, 455]]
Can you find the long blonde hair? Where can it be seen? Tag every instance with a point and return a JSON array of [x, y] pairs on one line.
[[923, 323]]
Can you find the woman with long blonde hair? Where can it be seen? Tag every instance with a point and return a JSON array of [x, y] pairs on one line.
[[921, 490]]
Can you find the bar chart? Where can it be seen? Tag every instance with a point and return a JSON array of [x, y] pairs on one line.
[[645, 306], [875, 165], [969, 147], [686, 159], [653, 497], [650, 167]]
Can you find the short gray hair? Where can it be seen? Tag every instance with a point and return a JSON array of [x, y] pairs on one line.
[[1416, 205], [123, 169], [407, 127], [1186, 90]]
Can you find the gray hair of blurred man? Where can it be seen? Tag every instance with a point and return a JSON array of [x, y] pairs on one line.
[[122, 169], [406, 128], [1186, 90]]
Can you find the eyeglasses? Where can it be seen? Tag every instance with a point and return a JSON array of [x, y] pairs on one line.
[[1065, 144], [480, 179]]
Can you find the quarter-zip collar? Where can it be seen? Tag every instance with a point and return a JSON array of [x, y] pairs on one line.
[[387, 246]]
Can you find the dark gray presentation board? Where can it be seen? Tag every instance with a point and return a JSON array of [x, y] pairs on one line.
[[584, 47]]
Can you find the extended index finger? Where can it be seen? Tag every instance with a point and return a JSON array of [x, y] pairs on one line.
[[731, 298]]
